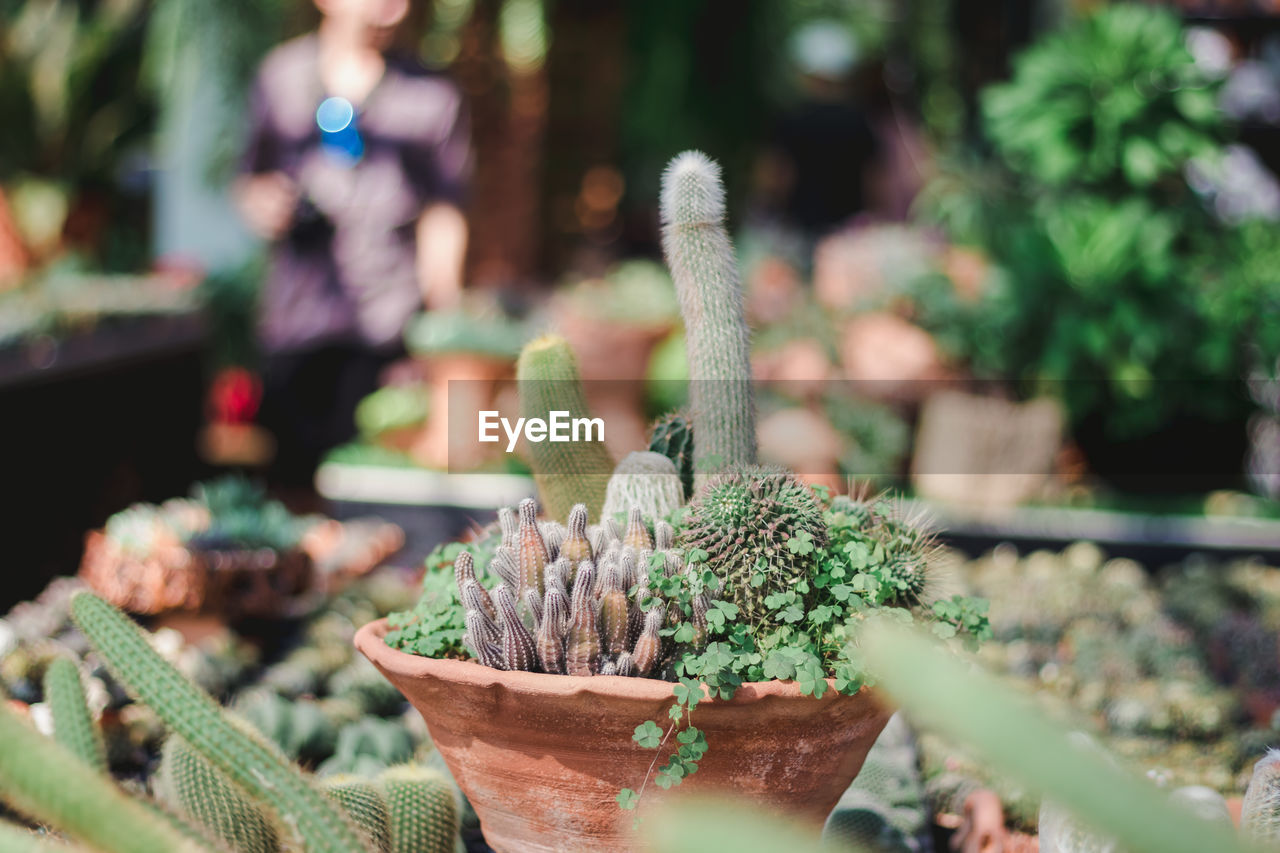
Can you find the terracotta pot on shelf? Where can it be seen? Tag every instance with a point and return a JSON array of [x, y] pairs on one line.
[[448, 440], [613, 359], [542, 757]]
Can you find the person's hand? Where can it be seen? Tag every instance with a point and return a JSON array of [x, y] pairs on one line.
[[267, 203]]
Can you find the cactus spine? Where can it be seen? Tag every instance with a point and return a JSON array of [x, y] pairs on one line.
[[44, 781], [196, 790], [422, 810], [566, 472], [73, 725], [705, 272], [193, 715]]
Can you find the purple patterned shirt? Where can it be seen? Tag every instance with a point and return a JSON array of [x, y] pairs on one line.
[[346, 272]]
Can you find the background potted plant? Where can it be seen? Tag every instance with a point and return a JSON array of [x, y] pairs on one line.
[[719, 626]]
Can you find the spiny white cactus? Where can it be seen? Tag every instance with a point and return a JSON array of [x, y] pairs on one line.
[[646, 481], [1260, 815], [705, 271]]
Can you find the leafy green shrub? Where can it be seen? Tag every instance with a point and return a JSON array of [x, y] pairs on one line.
[[1123, 295]]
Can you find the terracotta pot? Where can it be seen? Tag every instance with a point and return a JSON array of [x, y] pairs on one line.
[[542, 757]]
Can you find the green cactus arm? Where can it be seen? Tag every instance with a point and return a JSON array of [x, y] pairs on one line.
[[566, 472], [196, 790], [192, 714], [44, 781], [73, 725], [365, 805], [705, 270], [19, 839], [940, 692], [422, 808]]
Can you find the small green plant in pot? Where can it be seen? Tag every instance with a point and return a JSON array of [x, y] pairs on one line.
[[634, 638]]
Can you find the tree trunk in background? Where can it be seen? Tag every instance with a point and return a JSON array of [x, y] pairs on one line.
[[508, 120], [582, 185]]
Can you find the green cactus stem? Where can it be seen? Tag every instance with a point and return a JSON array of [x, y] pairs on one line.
[[705, 271], [73, 725], [646, 482], [194, 716], [422, 810], [365, 805], [196, 790], [566, 472], [672, 436], [41, 779]]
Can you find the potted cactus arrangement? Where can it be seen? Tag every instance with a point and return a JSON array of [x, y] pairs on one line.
[[679, 619]]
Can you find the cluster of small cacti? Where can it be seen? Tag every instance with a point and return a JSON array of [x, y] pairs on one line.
[[571, 599], [222, 785]]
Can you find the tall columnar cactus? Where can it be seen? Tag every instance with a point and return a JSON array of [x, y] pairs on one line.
[[44, 781], [194, 716], [1260, 815], [672, 436], [566, 472], [646, 481], [196, 790], [421, 808], [745, 520], [705, 270], [73, 725]]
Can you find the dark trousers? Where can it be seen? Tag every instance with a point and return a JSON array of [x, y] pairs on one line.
[[309, 400]]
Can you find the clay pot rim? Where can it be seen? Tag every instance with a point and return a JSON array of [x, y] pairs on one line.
[[369, 641]]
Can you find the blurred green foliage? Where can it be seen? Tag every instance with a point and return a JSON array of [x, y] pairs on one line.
[[1121, 294]]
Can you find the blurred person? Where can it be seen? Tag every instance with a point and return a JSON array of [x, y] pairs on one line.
[[355, 172], [815, 175]]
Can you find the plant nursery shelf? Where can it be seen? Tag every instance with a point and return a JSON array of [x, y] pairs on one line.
[[430, 506], [113, 343], [1148, 538]]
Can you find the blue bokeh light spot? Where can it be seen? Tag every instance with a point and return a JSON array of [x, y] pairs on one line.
[[335, 114]]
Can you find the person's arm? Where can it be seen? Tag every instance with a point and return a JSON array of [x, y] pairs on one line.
[[442, 251], [439, 167], [265, 197]]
